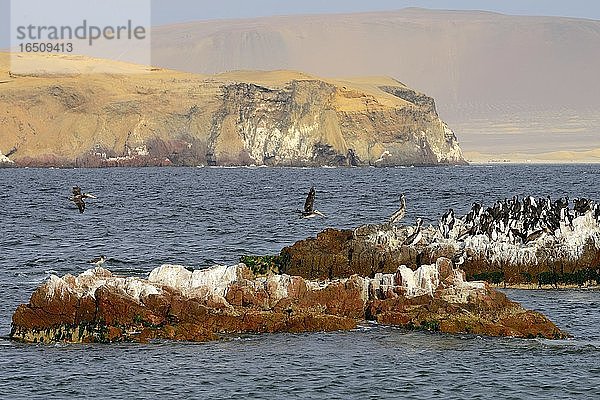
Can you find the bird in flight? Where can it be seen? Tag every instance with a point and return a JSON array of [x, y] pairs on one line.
[[78, 198], [309, 210]]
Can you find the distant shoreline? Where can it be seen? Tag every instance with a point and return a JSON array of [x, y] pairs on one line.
[[534, 286], [470, 163], [555, 157], [532, 162]]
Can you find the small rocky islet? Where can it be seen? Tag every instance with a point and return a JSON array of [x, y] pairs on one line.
[[179, 304], [529, 242], [336, 281]]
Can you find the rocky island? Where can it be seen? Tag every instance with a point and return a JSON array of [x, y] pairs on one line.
[[336, 281], [155, 117], [409, 276], [180, 304], [521, 242]]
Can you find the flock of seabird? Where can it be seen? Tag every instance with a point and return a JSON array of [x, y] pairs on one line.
[[510, 220], [523, 221], [515, 221]]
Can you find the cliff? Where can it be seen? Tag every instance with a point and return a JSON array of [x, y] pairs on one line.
[[150, 116], [506, 83]]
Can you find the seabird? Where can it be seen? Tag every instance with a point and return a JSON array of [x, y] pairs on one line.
[[536, 235], [459, 258], [78, 198], [416, 236], [515, 233], [398, 215], [447, 223], [309, 210], [99, 261]]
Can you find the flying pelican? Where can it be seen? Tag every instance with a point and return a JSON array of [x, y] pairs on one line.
[[78, 198], [309, 210], [416, 236], [398, 215]]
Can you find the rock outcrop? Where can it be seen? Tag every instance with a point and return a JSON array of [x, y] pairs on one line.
[[566, 257], [163, 117], [176, 303], [5, 161]]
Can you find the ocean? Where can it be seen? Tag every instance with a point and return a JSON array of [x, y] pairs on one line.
[[144, 217]]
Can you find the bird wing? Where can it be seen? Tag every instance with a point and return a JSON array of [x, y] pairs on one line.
[[310, 201], [91, 196]]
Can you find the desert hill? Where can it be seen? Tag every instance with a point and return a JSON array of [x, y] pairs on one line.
[[506, 83], [153, 116]]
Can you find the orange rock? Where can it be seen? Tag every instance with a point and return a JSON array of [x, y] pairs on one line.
[[58, 311]]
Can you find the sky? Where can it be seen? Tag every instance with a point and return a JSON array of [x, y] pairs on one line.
[[173, 11], [165, 12]]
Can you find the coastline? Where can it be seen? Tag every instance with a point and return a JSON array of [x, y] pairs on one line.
[[553, 157], [301, 166], [534, 286]]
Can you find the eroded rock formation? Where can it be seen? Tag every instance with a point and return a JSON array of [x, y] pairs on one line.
[[568, 256], [163, 117], [175, 303]]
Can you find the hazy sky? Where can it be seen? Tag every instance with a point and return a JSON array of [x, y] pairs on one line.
[[186, 10], [170, 11]]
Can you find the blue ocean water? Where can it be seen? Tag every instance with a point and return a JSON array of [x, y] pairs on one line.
[[202, 216]]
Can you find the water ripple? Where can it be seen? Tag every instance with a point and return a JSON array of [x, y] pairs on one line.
[[202, 216]]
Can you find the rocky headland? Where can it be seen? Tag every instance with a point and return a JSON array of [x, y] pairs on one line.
[[155, 117], [180, 304]]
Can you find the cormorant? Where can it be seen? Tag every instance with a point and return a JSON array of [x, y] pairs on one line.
[[447, 223], [416, 236]]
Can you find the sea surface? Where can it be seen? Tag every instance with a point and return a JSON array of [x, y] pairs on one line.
[[145, 217]]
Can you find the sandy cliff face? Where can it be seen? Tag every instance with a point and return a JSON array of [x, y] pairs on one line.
[[507, 83], [164, 117]]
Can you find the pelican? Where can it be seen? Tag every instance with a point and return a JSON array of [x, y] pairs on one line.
[[398, 215], [309, 210], [78, 198], [416, 236]]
